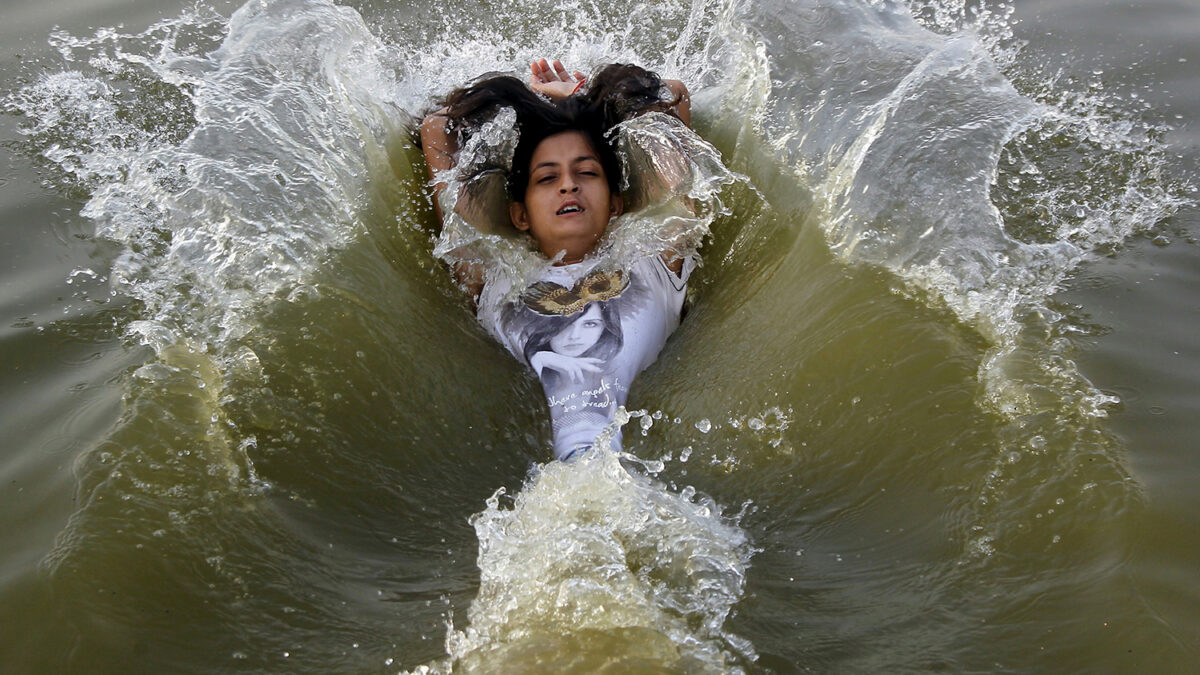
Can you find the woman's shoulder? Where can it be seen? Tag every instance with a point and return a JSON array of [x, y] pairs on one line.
[[670, 268]]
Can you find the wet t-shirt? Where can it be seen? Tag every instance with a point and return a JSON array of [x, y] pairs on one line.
[[587, 333]]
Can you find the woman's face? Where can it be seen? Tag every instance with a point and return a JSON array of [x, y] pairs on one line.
[[578, 337], [568, 202]]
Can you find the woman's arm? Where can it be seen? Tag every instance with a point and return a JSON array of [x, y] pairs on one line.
[[439, 147], [683, 105], [574, 367], [682, 110]]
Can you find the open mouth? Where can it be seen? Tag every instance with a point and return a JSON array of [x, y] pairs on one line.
[[570, 208]]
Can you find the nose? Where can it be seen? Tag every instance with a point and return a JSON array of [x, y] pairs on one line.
[[568, 184]]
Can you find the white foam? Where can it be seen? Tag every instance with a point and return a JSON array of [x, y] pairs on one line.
[[591, 552]]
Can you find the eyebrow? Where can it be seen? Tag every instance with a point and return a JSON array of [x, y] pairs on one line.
[[577, 160]]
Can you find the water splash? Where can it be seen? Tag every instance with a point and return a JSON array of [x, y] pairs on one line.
[[595, 564], [921, 157], [225, 174]]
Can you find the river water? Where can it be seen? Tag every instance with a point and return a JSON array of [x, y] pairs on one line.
[[933, 405]]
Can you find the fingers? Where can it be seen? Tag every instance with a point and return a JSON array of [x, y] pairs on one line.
[[586, 365], [544, 71], [581, 366]]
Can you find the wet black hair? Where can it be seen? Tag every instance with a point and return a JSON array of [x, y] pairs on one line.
[[614, 94]]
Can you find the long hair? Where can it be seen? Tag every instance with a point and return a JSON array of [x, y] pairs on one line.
[[614, 94], [607, 346]]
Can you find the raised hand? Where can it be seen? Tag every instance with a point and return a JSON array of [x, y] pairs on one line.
[[552, 79]]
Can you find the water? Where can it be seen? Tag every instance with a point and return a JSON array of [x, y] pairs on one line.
[[931, 406]]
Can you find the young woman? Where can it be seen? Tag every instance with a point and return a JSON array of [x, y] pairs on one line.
[[586, 330]]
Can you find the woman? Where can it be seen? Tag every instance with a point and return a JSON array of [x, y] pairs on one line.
[[563, 189], [574, 344]]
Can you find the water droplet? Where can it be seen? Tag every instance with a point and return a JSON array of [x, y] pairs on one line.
[[704, 426]]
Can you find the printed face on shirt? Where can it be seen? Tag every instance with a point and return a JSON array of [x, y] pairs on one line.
[[578, 337], [568, 202]]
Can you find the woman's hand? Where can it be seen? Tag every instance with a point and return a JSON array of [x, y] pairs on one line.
[[574, 367], [554, 82]]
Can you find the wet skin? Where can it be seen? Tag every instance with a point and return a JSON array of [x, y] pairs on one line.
[[568, 202]]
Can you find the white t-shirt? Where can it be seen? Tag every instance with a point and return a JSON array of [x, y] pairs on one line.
[[587, 334]]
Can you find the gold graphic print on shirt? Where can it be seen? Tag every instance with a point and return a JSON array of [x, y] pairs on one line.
[[547, 297]]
